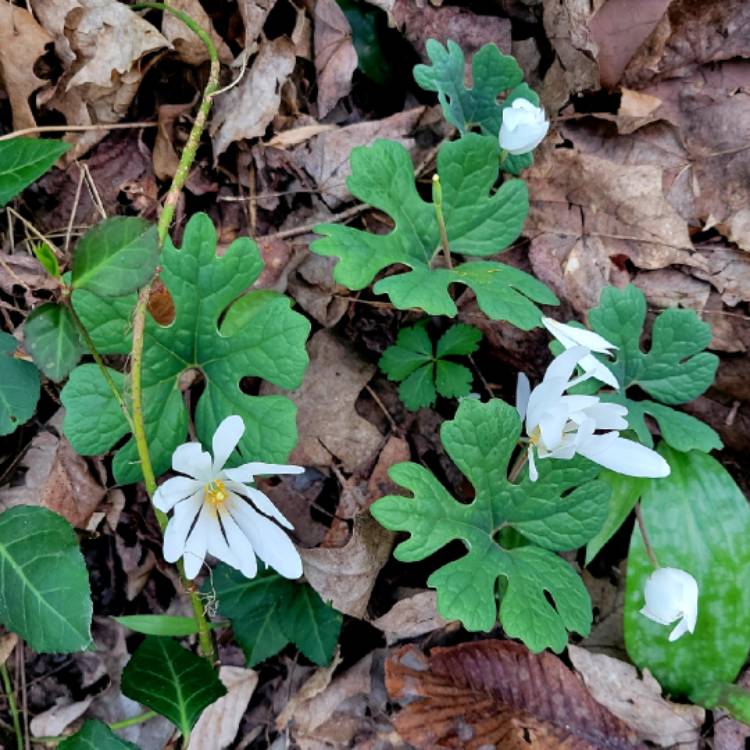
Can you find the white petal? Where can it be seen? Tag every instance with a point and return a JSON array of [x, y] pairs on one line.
[[197, 544], [670, 594], [608, 416], [216, 544], [596, 369], [523, 391], [248, 472], [533, 473], [238, 542], [551, 424], [623, 456], [172, 491], [261, 502], [270, 543], [178, 528], [226, 437], [562, 366], [191, 459], [569, 336], [680, 630]]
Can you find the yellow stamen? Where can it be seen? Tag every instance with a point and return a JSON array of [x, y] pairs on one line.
[[215, 493], [535, 436]]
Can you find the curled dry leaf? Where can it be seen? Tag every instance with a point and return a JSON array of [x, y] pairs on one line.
[[638, 701], [410, 617], [165, 156], [54, 721], [22, 43], [335, 56], [189, 47], [246, 110], [497, 694], [219, 723], [345, 576]]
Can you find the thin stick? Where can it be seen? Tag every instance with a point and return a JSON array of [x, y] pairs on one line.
[[520, 462], [644, 534], [305, 228], [76, 128], [76, 199], [378, 401]]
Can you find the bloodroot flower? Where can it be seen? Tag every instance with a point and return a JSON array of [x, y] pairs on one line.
[[672, 594], [523, 128], [216, 512]]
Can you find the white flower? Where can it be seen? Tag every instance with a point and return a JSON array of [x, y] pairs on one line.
[[672, 594], [560, 425], [524, 127], [570, 336], [212, 513]]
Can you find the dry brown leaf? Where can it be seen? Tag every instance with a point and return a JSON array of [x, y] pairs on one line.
[[345, 576], [295, 136], [7, 643], [254, 14], [335, 56], [164, 154], [329, 423], [410, 618], [246, 110], [638, 701], [669, 287], [315, 291], [189, 47], [219, 723], [497, 694], [22, 43], [55, 720], [325, 157], [56, 478]]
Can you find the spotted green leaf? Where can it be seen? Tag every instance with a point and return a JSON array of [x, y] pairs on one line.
[[542, 597]]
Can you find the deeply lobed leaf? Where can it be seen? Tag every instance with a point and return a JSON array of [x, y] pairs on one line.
[[562, 510], [479, 222]]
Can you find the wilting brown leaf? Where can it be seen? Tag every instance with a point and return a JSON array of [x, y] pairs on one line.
[[7, 643], [254, 14], [219, 723], [345, 576], [59, 717], [411, 617], [669, 287], [22, 43], [497, 694], [637, 700], [189, 47], [246, 110], [335, 56], [164, 155]]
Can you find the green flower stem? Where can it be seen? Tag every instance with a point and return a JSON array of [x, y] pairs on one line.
[[139, 318], [437, 200], [12, 705], [502, 156], [644, 534], [520, 462], [139, 719]]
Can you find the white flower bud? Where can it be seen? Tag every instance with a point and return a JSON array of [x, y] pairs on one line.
[[672, 594], [524, 127]]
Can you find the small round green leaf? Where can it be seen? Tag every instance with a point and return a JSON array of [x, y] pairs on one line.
[[52, 340], [19, 387]]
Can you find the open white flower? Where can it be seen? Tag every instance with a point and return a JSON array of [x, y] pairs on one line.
[[523, 128], [212, 514], [560, 425], [672, 594], [570, 336]]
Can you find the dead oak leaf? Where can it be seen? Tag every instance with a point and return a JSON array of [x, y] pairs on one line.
[[411, 617], [497, 694]]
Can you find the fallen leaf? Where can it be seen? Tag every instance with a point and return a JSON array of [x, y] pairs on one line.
[[335, 56], [326, 399], [669, 287], [219, 723], [55, 720], [315, 291], [254, 14], [165, 156], [638, 700], [295, 136], [22, 43], [246, 110], [345, 576], [497, 694], [410, 618], [7, 643], [190, 49], [730, 734]]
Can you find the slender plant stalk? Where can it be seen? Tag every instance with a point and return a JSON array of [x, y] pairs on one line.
[[520, 462], [644, 534], [12, 705], [139, 719], [437, 200]]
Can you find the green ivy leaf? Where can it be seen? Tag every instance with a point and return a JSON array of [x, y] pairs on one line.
[[95, 735], [23, 160], [698, 520], [268, 612], [675, 369], [164, 625], [259, 336], [682, 431], [52, 340], [544, 598], [44, 585], [116, 257], [478, 222], [19, 386], [425, 372], [172, 681]]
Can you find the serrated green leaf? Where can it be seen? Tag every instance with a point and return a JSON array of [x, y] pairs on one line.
[[452, 380], [172, 681], [95, 735], [163, 625], [116, 257], [44, 585], [268, 612], [260, 336], [44, 253], [52, 340], [479, 222], [682, 431], [458, 340], [698, 520], [418, 390], [19, 386], [675, 369], [23, 160], [480, 441]]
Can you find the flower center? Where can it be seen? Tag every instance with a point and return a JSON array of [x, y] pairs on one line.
[[535, 436], [215, 493]]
